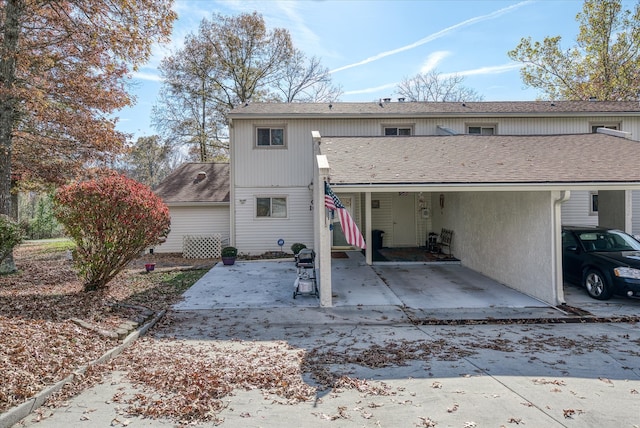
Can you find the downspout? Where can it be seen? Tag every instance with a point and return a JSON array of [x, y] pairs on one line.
[[563, 196], [232, 186]]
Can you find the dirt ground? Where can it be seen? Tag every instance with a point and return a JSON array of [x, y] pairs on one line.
[[51, 327]]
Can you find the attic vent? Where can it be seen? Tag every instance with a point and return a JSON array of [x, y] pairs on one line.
[[400, 100], [593, 98], [201, 175], [386, 100]]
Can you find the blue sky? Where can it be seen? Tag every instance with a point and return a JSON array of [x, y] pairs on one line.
[[371, 45]]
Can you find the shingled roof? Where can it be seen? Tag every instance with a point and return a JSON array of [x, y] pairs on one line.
[[196, 182], [470, 159], [435, 109]]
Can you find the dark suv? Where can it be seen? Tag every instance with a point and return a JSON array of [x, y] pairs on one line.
[[605, 261]]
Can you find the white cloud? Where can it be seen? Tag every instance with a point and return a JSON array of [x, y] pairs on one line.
[[433, 60], [496, 69], [370, 90], [434, 36], [147, 76]]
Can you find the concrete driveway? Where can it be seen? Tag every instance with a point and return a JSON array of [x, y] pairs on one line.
[[435, 290]]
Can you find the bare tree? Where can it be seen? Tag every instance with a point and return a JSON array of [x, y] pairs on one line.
[[434, 86], [229, 62], [306, 81]]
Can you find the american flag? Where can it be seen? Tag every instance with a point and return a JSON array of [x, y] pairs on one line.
[[349, 227]]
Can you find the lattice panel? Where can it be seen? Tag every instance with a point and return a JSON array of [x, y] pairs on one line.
[[202, 246]]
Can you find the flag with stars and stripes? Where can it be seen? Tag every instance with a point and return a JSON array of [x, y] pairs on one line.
[[349, 227]]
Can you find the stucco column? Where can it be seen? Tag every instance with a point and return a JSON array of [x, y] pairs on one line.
[[323, 244], [558, 198]]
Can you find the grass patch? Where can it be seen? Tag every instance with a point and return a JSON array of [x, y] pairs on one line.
[[182, 280], [44, 246]]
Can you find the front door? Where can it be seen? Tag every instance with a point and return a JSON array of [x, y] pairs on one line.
[[404, 219]]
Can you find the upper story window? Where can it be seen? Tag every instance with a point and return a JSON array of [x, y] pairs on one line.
[[595, 126], [273, 207], [481, 129], [270, 136], [398, 130]]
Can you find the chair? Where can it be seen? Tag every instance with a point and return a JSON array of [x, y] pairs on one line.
[[446, 236]]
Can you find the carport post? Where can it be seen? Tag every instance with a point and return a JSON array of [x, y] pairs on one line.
[[367, 215], [323, 244]]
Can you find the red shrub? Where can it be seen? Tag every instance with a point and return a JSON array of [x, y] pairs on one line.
[[112, 219]]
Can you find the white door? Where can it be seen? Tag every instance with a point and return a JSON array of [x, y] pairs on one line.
[[404, 220]]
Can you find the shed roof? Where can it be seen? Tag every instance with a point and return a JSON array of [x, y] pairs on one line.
[[433, 109], [496, 159], [184, 185]]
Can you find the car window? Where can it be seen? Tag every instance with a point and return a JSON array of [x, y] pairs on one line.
[[568, 240], [608, 241]]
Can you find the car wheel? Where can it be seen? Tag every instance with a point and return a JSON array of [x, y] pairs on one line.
[[596, 285]]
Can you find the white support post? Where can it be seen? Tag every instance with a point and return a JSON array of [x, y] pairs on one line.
[[367, 215], [323, 244]]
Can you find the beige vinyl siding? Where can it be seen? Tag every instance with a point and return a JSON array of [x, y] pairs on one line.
[[204, 220], [259, 235], [576, 210], [635, 215]]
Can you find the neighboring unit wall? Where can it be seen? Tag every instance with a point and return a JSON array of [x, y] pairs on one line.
[[507, 236], [205, 220], [256, 235], [576, 211]]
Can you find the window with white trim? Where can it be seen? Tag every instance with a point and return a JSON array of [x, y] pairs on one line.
[[271, 207], [481, 129], [398, 130], [270, 136], [593, 203], [595, 126]]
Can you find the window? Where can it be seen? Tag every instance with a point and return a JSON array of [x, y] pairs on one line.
[[274, 207], [481, 130], [397, 130], [595, 126], [270, 137], [593, 203]]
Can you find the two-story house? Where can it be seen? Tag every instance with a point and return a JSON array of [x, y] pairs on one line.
[[503, 175]]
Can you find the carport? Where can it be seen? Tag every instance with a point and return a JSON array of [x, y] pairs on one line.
[[500, 194]]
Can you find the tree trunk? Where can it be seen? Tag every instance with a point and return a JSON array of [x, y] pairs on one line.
[[8, 105]]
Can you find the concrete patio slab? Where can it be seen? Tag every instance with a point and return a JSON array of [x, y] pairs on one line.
[[441, 290]]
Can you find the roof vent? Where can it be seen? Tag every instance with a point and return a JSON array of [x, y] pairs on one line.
[[201, 175], [386, 100], [593, 98], [400, 100]]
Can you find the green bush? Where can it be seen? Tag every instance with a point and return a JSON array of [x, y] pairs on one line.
[[229, 252], [112, 220], [11, 234]]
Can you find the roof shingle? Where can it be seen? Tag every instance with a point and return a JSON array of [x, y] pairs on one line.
[[497, 159], [184, 186], [427, 109]]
